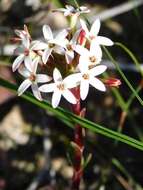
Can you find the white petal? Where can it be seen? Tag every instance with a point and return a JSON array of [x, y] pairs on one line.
[[36, 91], [69, 56], [47, 32], [59, 10], [64, 43], [97, 70], [83, 64], [17, 62], [81, 50], [69, 7], [19, 33], [96, 83], [95, 28], [84, 9], [61, 36], [19, 50], [24, 72], [28, 62], [47, 87], [24, 85], [26, 42], [69, 96], [84, 27], [95, 49], [75, 37], [43, 78], [72, 80], [57, 75], [104, 41], [84, 88], [67, 13], [56, 98], [59, 50], [84, 60], [46, 55], [34, 65], [37, 45]]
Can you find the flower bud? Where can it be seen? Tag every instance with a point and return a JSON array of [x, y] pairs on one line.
[[112, 82], [81, 38]]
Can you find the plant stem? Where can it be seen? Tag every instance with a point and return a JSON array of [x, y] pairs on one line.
[[79, 144]]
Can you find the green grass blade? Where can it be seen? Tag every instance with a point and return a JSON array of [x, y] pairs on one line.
[[131, 55], [129, 102], [123, 76], [76, 119]]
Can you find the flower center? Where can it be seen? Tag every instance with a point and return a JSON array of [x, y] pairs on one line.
[[26, 52], [51, 45], [69, 47], [85, 76], [32, 77], [92, 37], [92, 59], [91, 66], [61, 87]]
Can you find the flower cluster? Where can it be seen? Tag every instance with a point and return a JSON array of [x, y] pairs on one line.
[[68, 60]]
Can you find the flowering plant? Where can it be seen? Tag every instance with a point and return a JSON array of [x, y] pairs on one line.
[[69, 63]]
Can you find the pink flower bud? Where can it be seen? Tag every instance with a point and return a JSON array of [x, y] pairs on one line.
[[81, 38], [112, 82]]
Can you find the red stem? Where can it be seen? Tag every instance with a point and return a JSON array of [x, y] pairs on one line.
[[78, 140]]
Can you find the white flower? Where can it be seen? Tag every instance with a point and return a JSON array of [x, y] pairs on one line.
[[52, 44], [32, 79], [24, 52], [69, 47], [60, 87], [70, 10], [89, 57], [87, 77], [93, 33]]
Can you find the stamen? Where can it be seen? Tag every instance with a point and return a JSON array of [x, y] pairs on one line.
[[85, 76], [51, 45], [69, 47], [92, 59], [32, 77], [61, 87]]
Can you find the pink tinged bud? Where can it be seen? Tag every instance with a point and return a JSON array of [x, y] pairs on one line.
[[15, 40], [82, 38], [112, 82]]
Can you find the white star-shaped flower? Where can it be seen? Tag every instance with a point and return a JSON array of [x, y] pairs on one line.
[[52, 44], [32, 79], [90, 57], [25, 54], [69, 45], [92, 34], [87, 77], [70, 10], [60, 88]]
